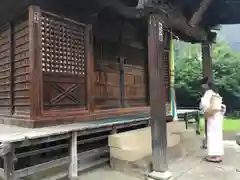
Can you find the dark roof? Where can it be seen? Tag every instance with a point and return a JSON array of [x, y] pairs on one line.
[[219, 11]]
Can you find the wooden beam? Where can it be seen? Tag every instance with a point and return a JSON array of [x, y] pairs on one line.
[[197, 16], [157, 93], [175, 20]]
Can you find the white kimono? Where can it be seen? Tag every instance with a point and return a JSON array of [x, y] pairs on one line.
[[214, 127]]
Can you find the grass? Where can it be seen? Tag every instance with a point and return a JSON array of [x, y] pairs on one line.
[[229, 125]]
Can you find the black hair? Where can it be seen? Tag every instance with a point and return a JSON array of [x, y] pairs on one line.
[[213, 87]]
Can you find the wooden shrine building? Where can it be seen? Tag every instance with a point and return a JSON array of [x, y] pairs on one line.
[[73, 61], [58, 70]]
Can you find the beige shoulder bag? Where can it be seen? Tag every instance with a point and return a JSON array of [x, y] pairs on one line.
[[215, 105]]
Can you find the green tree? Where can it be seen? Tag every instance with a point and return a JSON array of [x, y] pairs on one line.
[[187, 72], [226, 73]]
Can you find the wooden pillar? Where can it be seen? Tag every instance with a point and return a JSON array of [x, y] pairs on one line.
[[207, 72], [90, 68], [157, 98], [207, 60], [122, 81], [35, 47]]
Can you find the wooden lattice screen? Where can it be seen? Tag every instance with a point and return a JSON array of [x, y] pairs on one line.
[[63, 63]]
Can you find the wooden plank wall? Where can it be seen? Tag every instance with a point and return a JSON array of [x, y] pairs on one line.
[[135, 77], [15, 68], [5, 72], [21, 68], [107, 76]]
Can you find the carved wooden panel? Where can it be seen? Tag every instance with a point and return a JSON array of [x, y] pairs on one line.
[[21, 68], [134, 85], [65, 91], [63, 63], [107, 85], [5, 71]]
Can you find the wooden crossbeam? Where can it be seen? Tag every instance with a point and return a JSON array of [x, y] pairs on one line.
[[197, 16]]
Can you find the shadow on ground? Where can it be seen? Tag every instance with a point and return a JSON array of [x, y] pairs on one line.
[[190, 167]]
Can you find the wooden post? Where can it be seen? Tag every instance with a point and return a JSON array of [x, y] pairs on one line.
[[122, 81], [90, 68], [197, 119], [186, 120], [11, 76], [73, 157], [207, 60], [114, 129], [157, 98], [9, 164], [35, 47], [207, 72]]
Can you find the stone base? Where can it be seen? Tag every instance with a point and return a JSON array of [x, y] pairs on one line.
[[160, 175], [142, 167]]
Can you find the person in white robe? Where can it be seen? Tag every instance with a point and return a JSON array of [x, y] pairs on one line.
[[215, 148]]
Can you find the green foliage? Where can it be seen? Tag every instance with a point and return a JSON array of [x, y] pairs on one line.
[[226, 65], [229, 125]]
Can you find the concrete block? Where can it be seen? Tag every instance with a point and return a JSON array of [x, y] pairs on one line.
[[137, 144]]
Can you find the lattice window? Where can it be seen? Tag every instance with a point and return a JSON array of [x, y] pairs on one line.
[[63, 48]]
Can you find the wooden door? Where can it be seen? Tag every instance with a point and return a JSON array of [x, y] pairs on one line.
[[107, 75], [135, 85]]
